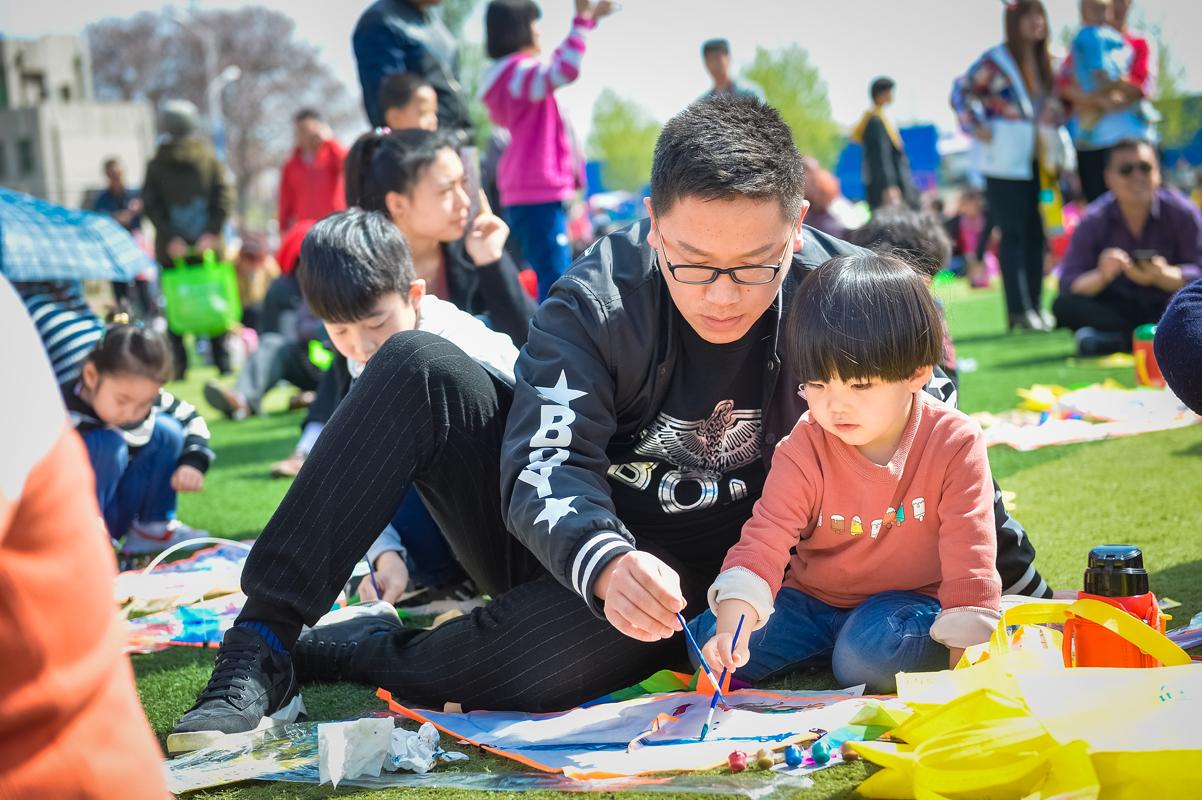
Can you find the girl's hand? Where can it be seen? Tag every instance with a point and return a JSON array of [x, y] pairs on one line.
[[486, 240], [176, 248], [391, 574], [983, 134], [718, 653], [588, 9], [187, 479]]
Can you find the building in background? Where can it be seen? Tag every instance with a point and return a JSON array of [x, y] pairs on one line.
[[54, 135]]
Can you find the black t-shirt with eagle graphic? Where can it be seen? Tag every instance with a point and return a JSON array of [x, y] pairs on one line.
[[694, 473]]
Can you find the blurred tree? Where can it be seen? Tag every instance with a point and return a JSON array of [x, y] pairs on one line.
[[1180, 114], [157, 57], [623, 138], [455, 14], [793, 86]]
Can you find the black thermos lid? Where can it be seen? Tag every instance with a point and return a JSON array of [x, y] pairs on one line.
[[1116, 570]]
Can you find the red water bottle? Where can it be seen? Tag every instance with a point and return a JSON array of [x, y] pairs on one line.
[[1115, 576]]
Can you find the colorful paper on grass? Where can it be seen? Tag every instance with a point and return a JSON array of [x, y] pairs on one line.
[[656, 733], [211, 572], [198, 625], [662, 682], [1052, 415]]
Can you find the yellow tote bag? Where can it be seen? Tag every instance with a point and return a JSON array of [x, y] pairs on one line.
[[1012, 721]]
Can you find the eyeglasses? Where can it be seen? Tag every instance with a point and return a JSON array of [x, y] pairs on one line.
[[700, 274], [1143, 166]]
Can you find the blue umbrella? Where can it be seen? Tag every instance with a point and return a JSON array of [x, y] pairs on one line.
[[40, 241]]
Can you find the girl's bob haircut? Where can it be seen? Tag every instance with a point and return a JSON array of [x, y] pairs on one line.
[[863, 316]]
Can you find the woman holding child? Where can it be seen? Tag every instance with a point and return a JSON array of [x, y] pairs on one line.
[[1006, 102]]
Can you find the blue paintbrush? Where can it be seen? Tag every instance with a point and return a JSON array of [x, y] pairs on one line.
[[372, 572], [709, 673], [734, 642]]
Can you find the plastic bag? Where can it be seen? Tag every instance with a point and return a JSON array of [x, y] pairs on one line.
[[201, 298]]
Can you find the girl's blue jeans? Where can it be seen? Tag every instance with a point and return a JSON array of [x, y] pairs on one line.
[[542, 231], [138, 485], [886, 634]]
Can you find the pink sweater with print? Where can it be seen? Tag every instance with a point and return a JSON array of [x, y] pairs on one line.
[[539, 164], [922, 523]]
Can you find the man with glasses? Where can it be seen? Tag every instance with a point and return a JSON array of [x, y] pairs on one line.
[[594, 499], [1135, 247]]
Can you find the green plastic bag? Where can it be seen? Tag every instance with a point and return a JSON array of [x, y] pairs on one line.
[[201, 298]]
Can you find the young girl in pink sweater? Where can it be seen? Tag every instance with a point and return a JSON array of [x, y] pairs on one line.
[[538, 170], [872, 547]]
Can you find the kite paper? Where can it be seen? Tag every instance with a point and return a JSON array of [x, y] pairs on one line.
[[211, 572], [1052, 415], [648, 734], [199, 625]]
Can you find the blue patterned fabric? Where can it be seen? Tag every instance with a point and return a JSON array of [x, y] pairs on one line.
[[40, 241]]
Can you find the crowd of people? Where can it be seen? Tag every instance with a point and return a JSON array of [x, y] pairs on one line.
[[741, 407]]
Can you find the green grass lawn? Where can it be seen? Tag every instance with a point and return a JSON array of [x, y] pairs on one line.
[[1143, 490]]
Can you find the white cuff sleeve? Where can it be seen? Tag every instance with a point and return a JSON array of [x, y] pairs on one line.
[[309, 437], [740, 583], [388, 540], [964, 626]]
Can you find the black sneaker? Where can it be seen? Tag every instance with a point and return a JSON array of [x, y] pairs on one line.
[[252, 687], [1093, 342], [324, 653]]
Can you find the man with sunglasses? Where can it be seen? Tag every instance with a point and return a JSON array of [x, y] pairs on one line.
[[1135, 247], [595, 497]]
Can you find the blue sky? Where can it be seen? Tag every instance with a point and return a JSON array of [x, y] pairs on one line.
[[649, 51]]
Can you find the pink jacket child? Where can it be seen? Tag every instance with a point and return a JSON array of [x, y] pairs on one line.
[[519, 92]]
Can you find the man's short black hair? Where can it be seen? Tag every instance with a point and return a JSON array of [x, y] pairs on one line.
[[349, 260], [879, 87], [918, 239], [507, 26], [397, 89], [715, 46], [727, 146], [1126, 146], [863, 316], [306, 114]]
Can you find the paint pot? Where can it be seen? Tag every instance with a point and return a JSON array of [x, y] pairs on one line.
[[820, 751], [849, 753], [737, 761], [793, 756], [764, 759]]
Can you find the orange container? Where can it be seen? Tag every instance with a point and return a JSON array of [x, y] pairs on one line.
[[1088, 644]]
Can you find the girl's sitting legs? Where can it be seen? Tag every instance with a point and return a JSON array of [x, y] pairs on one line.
[[869, 644], [109, 455], [145, 492], [886, 634]]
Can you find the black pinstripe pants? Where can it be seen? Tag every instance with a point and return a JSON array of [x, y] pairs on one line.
[[424, 412]]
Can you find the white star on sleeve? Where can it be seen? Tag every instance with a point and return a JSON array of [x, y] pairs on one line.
[[559, 394], [555, 509]]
